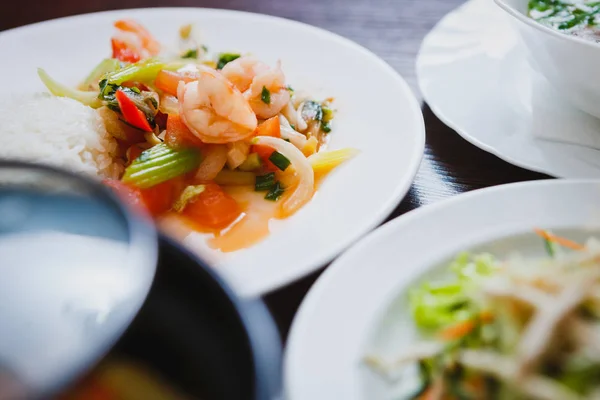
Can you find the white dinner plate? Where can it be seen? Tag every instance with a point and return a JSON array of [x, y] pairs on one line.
[[358, 306], [378, 114], [474, 74]]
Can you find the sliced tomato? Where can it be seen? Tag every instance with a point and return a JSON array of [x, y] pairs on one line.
[[264, 152], [126, 193], [212, 208], [178, 135], [168, 81], [155, 200], [122, 52], [159, 199], [269, 127], [131, 113]]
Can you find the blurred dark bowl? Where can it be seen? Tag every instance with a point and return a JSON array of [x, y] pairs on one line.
[[196, 334]]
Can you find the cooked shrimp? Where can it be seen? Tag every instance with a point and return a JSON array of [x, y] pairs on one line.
[[243, 70], [214, 110], [273, 81], [139, 37]]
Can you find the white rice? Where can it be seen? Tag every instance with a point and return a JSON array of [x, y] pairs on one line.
[[59, 132]]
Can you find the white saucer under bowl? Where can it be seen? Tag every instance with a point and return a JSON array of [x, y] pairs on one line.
[[474, 74]]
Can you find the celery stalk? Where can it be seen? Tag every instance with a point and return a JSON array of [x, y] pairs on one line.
[[106, 66], [159, 164], [253, 162], [143, 71], [58, 89]]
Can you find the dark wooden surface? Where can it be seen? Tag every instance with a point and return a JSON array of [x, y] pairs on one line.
[[393, 29]]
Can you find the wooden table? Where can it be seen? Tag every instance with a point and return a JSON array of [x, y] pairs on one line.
[[392, 29]]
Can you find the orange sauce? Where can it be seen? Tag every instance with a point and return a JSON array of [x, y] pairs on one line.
[[250, 228]]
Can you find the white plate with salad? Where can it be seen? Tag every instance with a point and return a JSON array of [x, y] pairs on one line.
[[248, 137], [491, 294]]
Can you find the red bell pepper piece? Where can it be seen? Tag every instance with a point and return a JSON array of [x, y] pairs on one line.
[[122, 52], [133, 115]]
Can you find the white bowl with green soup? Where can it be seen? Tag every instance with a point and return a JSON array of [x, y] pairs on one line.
[[563, 39]]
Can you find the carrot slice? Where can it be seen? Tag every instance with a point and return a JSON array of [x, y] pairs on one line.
[[269, 127], [178, 135], [156, 200], [168, 81], [463, 328], [559, 240]]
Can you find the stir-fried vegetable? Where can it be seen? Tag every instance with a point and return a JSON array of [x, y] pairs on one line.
[[252, 163], [179, 142], [279, 160], [226, 58], [144, 71], [133, 115], [521, 328], [159, 164], [275, 192], [264, 182], [192, 53], [122, 51], [106, 66], [187, 195], [213, 208], [306, 177], [178, 136], [58, 89]]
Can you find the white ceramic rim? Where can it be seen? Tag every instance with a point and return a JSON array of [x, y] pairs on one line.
[[448, 120], [340, 270], [543, 28], [266, 284]]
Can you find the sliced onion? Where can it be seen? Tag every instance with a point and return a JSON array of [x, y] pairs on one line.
[[168, 104], [292, 115], [306, 177], [287, 132], [213, 161]]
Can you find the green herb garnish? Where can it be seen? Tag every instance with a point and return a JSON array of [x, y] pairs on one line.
[[225, 58], [265, 95], [275, 192], [325, 127], [564, 15], [264, 182], [192, 53], [279, 160], [312, 111]]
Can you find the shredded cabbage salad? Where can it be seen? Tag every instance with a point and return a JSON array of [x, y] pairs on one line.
[[514, 329]]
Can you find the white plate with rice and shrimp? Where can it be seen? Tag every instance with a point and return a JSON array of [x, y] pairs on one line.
[[265, 145]]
